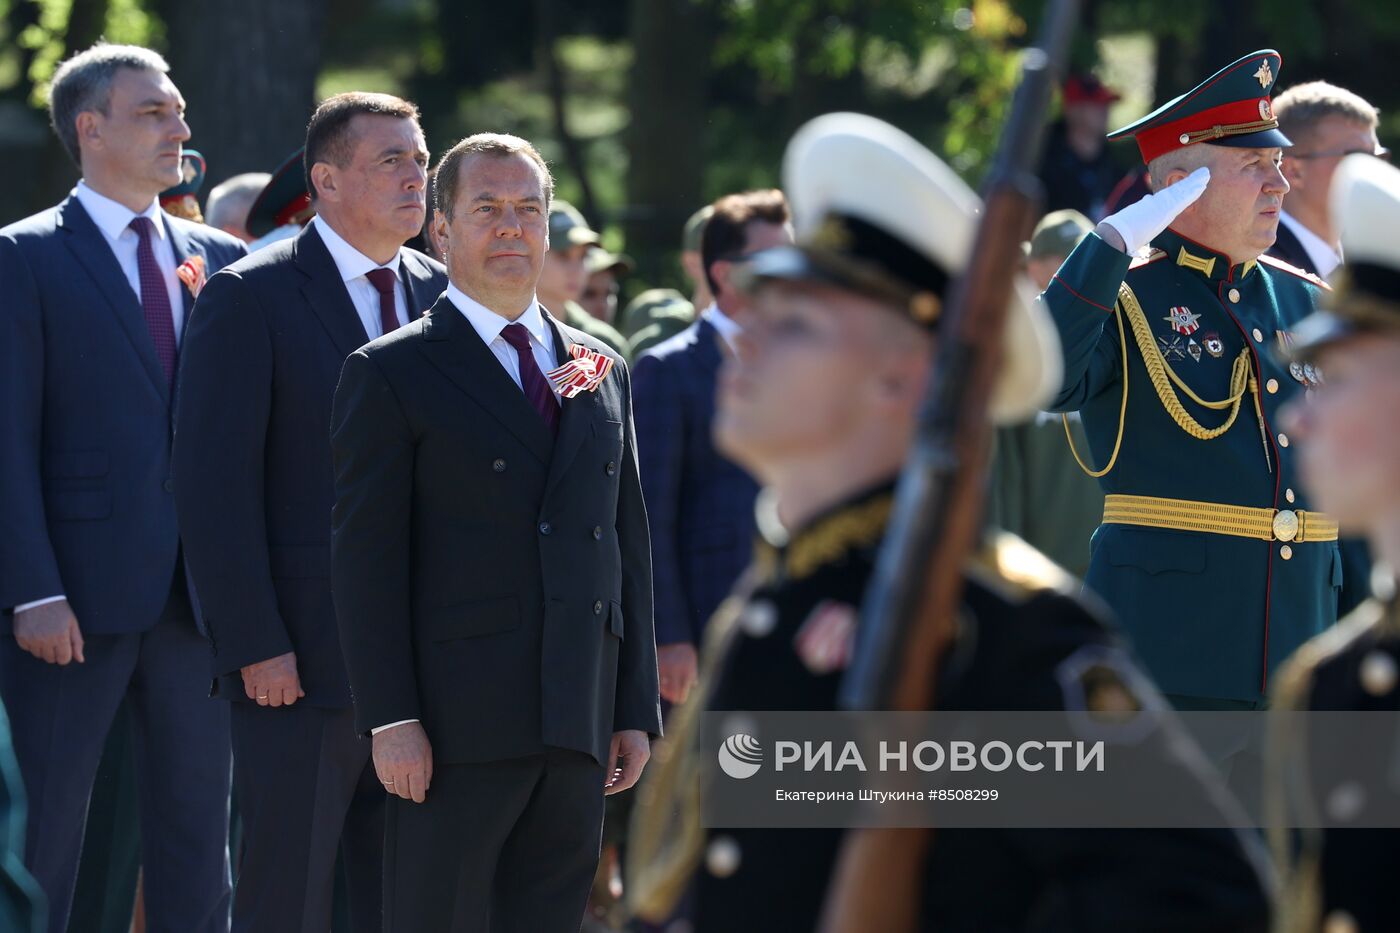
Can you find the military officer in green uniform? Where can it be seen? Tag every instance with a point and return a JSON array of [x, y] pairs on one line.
[[821, 405], [564, 274], [1342, 880], [1170, 316]]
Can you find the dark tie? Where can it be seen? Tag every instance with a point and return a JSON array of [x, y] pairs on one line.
[[534, 383], [384, 282], [155, 298]]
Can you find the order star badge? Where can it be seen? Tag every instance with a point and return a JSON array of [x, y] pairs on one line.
[[1183, 320], [1265, 74]]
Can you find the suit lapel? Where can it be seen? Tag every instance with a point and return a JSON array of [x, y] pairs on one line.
[[418, 280], [576, 416], [90, 248], [324, 291], [185, 248], [457, 351]]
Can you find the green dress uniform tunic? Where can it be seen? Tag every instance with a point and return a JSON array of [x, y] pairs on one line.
[[1208, 553]]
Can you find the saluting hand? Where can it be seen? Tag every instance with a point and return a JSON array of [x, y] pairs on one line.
[[273, 682], [632, 749], [403, 759], [50, 632], [1138, 224]]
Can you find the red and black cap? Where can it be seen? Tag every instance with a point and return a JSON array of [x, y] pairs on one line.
[[283, 200], [1230, 108]]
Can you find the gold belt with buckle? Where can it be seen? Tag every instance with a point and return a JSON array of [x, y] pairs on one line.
[[1217, 518]]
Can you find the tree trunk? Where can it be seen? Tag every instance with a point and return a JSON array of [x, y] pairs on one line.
[[672, 40], [547, 57], [248, 73]]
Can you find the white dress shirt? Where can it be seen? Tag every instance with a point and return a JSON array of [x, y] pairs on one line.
[[1324, 258], [726, 325], [353, 265], [488, 324], [114, 220]]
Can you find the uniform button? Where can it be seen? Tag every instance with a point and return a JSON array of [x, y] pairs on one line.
[[597, 607], [1288, 494], [544, 528], [722, 857], [1235, 295], [1283, 440], [1378, 673], [498, 465], [1339, 921], [1258, 335], [611, 468], [759, 618], [1285, 552], [168, 485], [597, 533], [1272, 386]]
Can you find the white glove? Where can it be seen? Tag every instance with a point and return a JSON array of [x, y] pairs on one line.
[[1140, 222]]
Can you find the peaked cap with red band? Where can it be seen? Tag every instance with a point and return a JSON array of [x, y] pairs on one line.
[[1230, 108], [283, 200]]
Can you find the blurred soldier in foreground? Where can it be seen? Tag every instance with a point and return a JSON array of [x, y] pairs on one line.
[[1341, 881], [821, 405]]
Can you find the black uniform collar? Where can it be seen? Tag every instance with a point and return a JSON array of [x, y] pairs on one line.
[[1201, 259], [854, 525]]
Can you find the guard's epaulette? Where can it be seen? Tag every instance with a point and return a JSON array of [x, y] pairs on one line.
[[1152, 256], [1295, 678], [1011, 567], [1294, 270]]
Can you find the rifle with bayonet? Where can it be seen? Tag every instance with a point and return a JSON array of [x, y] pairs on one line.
[[907, 620]]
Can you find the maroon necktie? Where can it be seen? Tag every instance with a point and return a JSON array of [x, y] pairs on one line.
[[384, 282], [534, 383], [155, 297]]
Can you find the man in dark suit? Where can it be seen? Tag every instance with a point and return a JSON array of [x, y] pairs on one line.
[[253, 485], [98, 290], [699, 503], [491, 572], [1326, 123]]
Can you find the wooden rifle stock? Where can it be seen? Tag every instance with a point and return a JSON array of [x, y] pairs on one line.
[[907, 620]]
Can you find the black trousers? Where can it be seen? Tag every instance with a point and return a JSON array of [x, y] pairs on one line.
[[499, 847], [306, 789], [61, 716]]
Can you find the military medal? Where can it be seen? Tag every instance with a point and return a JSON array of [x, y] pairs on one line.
[[1295, 369], [1214, 345], [1171, 348], [1194, 348], [584, 373], [1183, 321], [825, 640]]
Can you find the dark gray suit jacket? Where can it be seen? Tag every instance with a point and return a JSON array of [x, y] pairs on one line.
[[86, 508], [490, 580], [253, 478]]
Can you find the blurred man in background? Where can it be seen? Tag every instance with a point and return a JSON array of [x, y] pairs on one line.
[[229, 203], [1326, 123], [564, 275]]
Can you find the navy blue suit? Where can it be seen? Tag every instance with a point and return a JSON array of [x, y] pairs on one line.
[[85, 434], [699, 504]]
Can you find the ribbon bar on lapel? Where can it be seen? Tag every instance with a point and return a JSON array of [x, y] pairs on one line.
[[584, 373]]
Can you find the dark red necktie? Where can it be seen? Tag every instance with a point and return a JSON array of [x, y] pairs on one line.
[[534, 383], [155, 297], [384, 282]]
